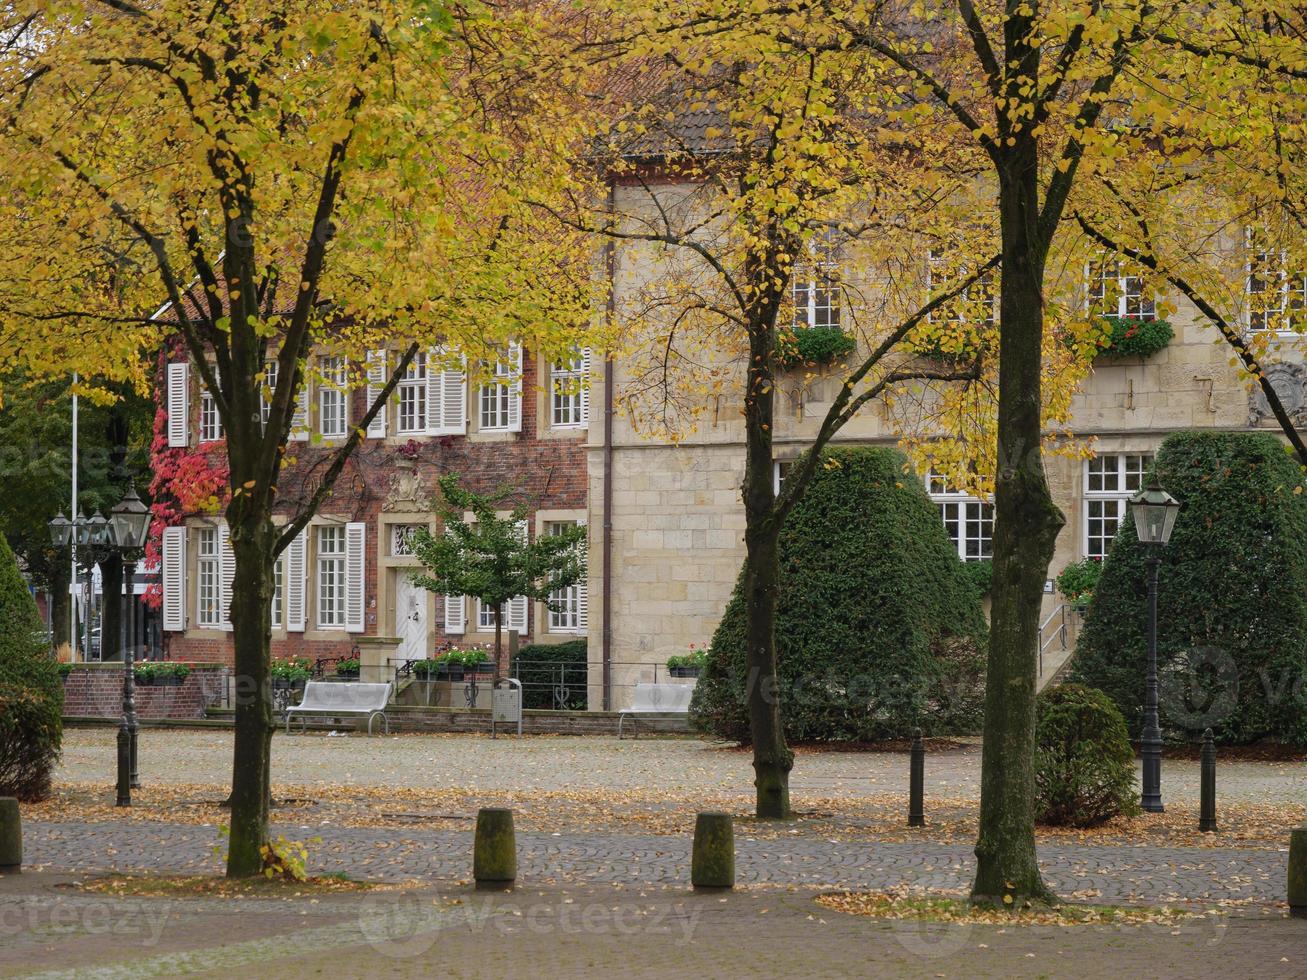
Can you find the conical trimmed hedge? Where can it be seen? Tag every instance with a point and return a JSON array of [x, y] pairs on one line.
[[1232, 604], [879, 629], [31, 693]]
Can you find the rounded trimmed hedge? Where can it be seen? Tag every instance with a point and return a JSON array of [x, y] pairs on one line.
[[541, 666], [879, 628], [31, 692], [1232, 601], [1084, 764]]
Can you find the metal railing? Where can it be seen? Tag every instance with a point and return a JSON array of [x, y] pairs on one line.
[[1059, 614]]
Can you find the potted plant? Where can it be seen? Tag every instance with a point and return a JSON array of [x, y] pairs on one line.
[[348, 668], [290, 674], [1078, 581], [688, 664], [449, 665], [477, 662], [160, 674], [424, 669], [812, 346]]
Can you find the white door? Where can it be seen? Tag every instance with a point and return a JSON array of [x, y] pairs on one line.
[[410, 618]]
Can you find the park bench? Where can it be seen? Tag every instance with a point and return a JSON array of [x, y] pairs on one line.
[[340, 699], [657, 699]]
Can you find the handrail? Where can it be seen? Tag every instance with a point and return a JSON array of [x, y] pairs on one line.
[[1044, 644]]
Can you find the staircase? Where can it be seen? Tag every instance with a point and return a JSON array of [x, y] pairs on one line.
[[1057, 644]]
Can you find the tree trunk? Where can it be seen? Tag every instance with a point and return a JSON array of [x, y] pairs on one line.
[[499, 630], [59, 600], [1026, 524], [251, 784], [111, 611]]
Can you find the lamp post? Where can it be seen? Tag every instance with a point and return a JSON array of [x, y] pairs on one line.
[[1154, 512], [129, 526]]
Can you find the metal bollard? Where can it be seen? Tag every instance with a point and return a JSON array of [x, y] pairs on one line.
[[1207, 783], [917, 781]]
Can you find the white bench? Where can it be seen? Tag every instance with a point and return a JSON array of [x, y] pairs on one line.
[[342, 698], [657, 699]]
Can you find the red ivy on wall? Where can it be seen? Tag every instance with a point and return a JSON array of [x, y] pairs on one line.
[[186, 480]]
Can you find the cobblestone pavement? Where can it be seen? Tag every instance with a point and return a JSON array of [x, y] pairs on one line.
[[563, 763], [1112, 874]]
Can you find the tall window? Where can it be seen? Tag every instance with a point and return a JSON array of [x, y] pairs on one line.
[[496, 398], [278, 574], [563, 603], [976, 304], [331, 398], [568, 376], [1109, 482], [1277, 293], [486, 616], [208, 587], [331, 577], [1115, 289], [968, 520], [210, 423], [413, 396], [266, 390]]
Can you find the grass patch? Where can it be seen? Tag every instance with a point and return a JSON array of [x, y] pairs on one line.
[[942, 908], [186, 886]]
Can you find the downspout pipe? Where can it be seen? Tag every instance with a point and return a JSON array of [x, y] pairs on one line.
[[610, 268]]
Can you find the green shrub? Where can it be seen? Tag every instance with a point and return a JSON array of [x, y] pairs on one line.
[[31, 692], [1078, 580], [812, 345], [1084, 765], [543, 667], [878, 627], [1130, 337], [160, 670], [1232, 601], [349, 666], [981, 575], [292, 669]]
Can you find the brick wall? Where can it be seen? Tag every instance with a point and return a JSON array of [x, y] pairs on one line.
[[97, 692]]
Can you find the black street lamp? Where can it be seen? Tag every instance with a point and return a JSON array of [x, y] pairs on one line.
[[1154, 512], [128, 528]]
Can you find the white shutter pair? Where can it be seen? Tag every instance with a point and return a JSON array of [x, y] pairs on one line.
[[377, 378], [179, 391], [446, 396], [173, 571], [299, 420]]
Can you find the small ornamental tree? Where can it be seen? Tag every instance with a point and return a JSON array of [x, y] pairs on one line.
[[878, 629], [1084, 765], [492, 557], [31, 693], [1232, 598]]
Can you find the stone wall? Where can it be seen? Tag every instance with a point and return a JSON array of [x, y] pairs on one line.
[[96, 691]]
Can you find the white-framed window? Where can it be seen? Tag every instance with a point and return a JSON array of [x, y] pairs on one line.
[[208, 578], [780, 469], [564, 604], [413, 396], [1276, 293], [278, 590], [816, 294], [1110, 481], [968, 520], [497, 398], [401, 538], [566, 402], [978, 303], [331, 576], [486, 617], [1116, 289], [210, 423], [332, 414], [267, 389]]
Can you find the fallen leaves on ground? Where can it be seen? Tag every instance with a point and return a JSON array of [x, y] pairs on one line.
[[936, 907], [183, 886]]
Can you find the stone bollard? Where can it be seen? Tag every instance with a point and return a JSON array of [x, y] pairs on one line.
[[917, 781], [712, 864], [494, 853], [11, 836], [1207, 785], [1298, 873]]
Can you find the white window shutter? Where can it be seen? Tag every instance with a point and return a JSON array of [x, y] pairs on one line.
[[453, 388], [179, 385], [227, 574], [519, 610], [582, 593], [174, 579], [296, 560], [356, 534], [435, 393], [376, 382], [515, 389], [585, 386], [299, 421], [455, 614]]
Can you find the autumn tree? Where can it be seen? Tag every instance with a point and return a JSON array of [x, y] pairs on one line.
[[285, 179]]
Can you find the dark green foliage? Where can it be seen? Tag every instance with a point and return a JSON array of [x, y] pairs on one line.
[[878, 627], [1079, 579], [1084, 765], [161, 670], [543, 667], [981, 574], [31, 691], [1137, 338], [812, 345], [1232, 606]]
